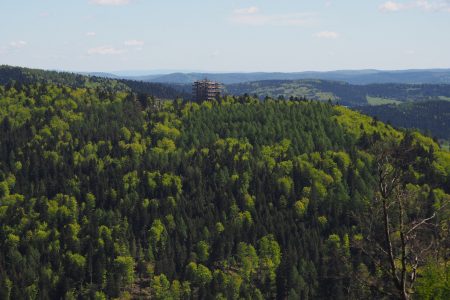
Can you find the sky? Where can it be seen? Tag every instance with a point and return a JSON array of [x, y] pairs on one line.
[[225, 35]]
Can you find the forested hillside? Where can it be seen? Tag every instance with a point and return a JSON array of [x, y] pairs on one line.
[[16, 75], [430, 117], [345, 93], [106, 194], [311, 89], [157, 90]]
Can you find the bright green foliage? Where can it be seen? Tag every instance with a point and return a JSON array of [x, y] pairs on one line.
[[4, 189], [130, 181], [301, 207], [172, 183], [76, 263], [322, 220], [219, 227], [99, 296], [153, 179], [269, 249], [248, 260], [126, 134], [249, 201], [158, 236], [160, 287], [360, 125], [434, 282], [107, 194], [161, 130], [272, 154], [5, 288], [346, 245], [202, 251], [285, 185], [199, 274], [334, 241], [124, 266]]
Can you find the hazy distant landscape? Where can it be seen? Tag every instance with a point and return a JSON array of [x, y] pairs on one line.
[[434, 76]]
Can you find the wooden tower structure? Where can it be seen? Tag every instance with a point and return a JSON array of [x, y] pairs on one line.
[[204, 90]]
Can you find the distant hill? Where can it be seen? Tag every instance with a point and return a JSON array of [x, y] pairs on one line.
[[9, 74], [101, 74], [345, 93], [430, 76], [431, 117]]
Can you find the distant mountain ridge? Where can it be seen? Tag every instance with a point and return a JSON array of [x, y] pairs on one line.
[[343, 92], [101, 74], [430, 76]]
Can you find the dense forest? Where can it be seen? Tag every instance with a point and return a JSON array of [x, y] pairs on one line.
[[343, 92], [108, 194], [15, 75], [431, 117]]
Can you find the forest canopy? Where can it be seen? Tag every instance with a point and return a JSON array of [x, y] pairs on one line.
[[107, 194]]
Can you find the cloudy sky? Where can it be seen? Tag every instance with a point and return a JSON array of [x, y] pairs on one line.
[[225, 35]]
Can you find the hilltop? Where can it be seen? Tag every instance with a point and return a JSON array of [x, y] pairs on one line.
[[432, 121], [24, 76], [102, 195]]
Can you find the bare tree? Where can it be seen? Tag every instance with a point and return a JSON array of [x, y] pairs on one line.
[[400, 232]]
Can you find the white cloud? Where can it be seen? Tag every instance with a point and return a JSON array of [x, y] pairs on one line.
[[433, 6], [247, 11], [423, 5], [134, 43], [17, 44], [111, 2], [391, 6], [252, 16], [105, 50], [426, 5], [327, 35], [91, 33]]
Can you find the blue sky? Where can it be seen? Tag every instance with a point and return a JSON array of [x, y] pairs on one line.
[[225, 35]]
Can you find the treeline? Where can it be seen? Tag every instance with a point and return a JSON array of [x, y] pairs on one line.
[[344, 93], [157, 90], [432, 118], [109, 194], [24, 76]]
